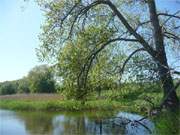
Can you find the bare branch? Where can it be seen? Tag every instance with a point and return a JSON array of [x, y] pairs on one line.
[[143, 126], [128, 121], [176, 72], [141, 24], [170, 15], [171, 35]]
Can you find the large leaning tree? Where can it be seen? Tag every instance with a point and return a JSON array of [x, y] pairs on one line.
[[134, 21]]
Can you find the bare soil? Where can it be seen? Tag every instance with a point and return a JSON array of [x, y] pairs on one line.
[[32, 97]]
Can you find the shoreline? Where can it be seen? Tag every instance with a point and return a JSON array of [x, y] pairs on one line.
[[61, 105], [56, 102]]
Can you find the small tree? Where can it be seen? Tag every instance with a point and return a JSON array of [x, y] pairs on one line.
[[8, 87], [72, 59], [23, 86], [41, 80]]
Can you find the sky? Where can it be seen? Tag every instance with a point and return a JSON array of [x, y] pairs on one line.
[[19, 28]]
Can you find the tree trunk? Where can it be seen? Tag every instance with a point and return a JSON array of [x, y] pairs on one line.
[[172, 100]]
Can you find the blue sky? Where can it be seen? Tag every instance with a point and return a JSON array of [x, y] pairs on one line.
[[19, 29], [18, 38]]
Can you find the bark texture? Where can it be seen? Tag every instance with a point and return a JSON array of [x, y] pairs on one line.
[[172, 100]]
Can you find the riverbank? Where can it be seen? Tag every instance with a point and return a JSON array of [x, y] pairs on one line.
[[131, 101], [61, 105], [56, 102]]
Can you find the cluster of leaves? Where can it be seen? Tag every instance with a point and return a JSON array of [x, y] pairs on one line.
[[41, 79], [74, 57], [142, 69]]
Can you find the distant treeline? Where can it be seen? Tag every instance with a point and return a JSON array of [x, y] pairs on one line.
[[39, 80]]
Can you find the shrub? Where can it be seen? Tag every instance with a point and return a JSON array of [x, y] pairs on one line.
[[8, 88]]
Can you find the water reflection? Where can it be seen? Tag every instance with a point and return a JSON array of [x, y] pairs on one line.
[[85, 126], [10, 125], [134, 128], [37, 122], [64, 123]]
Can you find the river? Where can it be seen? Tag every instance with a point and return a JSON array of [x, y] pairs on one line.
[[72, 123]]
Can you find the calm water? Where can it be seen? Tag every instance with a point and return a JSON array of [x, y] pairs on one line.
[[71, 123]]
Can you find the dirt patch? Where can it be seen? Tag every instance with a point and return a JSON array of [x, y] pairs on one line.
[[32, 97]]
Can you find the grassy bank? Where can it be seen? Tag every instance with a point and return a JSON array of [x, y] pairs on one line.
[[109, 100], [60, 105], [167, 123], [132, 100]]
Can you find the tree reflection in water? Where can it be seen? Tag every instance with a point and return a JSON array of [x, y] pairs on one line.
[[85, 126], [77, 123]]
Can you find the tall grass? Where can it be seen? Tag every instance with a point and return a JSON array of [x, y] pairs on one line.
[[65, 105], [168, 123]]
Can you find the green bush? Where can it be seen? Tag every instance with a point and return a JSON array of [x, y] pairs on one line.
[[8, 88], [167, 123], [23, 86]]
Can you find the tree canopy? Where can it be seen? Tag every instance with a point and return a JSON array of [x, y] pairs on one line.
[[41, 80], [74, 55]]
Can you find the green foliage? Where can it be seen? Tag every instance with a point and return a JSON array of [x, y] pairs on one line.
[[8, 87], [167, 123], [56, 105], [75, 55], [142, 69], [131, 97], [41, 80], [54, 33], [12, 87], [23, 86]]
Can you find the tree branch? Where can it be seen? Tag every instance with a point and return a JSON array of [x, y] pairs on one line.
[[86, 67], [176, 72], [129, 57], [126, 61], [141, 40], [116, 12], [141, 24], [171, 35], [170, 15]]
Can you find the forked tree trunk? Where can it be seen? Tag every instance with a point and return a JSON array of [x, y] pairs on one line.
[[161, 59]]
